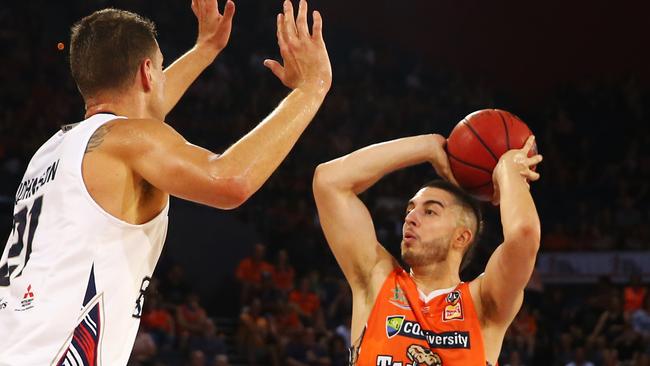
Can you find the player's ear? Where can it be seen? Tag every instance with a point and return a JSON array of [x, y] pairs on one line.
[[462, 237], [144, 74]]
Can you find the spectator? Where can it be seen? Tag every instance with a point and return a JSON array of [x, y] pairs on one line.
[[306, 301], [220, 360], [283, 272], [144, 349], [249, 272], [209, 342], [634, 294], [190, 316], [158, 321], [579, 358]]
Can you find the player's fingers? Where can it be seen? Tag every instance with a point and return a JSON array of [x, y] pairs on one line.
[[290, 30], [534, 160], [229, 11], [301, 20], [530, 175], [280, 30], [530, 141], [195, 8], [275, 68], [317, 29], [212, 6]]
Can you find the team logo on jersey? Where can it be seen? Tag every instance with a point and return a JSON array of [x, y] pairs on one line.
[[453, 297], [399, 299], [393, 325], [139, 302], [454, 308], [422, 356], [417, 354], [3, 303], [28, 299]]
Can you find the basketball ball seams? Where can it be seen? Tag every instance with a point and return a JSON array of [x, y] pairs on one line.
[[505, 126], [478, 137], [469, 164]]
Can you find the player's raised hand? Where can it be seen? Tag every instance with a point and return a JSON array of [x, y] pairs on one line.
[[520, 161], [214, 27], [305, 62], [440, 160]]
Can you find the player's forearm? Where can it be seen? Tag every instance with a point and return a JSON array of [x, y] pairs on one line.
[[519, 218], [361, 169], [256, 156], [182, 73]]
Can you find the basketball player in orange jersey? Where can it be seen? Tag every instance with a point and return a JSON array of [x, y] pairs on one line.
[[90, 215], [428, 316]]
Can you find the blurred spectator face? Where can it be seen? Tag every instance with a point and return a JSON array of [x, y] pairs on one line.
[[259, 251], [197, 358], [220, 360]]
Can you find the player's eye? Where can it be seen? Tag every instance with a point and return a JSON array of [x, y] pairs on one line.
[[430, 212]]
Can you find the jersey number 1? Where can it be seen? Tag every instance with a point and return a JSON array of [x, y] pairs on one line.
[[18, 240]]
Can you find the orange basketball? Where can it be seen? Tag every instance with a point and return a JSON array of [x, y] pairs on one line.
[[476, 144]]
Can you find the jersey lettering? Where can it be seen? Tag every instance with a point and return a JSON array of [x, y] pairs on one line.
[[18, 241]]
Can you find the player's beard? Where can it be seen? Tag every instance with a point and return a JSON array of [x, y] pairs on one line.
[[434, 251]]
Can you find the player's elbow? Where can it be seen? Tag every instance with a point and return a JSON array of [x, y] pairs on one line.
[[526, 234], [232, 192], [323, 178]]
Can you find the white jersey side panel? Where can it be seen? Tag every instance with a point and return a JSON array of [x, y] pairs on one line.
[[72, 275]]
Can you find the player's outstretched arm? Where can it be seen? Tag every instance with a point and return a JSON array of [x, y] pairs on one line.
[[345, 220], [213, 34], [163, 158], [511, 265]]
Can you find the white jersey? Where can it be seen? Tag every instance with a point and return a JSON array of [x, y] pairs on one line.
[[72, 277]]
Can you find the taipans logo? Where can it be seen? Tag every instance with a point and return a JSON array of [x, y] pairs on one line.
[[393, 325], [3, 303], [398, 325], [399, 299]]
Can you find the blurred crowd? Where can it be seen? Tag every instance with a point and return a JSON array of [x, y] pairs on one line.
[[295, 307]]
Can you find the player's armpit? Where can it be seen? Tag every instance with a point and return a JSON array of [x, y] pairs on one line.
[[162, 157], [350, 232]]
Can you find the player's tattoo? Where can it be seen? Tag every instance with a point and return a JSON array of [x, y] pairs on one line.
[[97, 138]]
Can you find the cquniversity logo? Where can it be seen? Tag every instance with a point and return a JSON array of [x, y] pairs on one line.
[[394, 325]]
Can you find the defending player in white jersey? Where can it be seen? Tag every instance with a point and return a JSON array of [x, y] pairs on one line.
[[90, 215]]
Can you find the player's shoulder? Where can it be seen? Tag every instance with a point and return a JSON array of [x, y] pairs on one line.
[[130, 135]]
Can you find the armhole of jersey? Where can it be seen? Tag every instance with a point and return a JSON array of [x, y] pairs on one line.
[[480, 329], [91, 200]]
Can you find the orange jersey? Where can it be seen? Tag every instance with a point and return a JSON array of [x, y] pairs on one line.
[[403, 330]]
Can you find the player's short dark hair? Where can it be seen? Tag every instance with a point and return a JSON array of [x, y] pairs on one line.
[[106, 49], [468, 203]]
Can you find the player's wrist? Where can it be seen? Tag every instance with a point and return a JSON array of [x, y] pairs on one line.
[[318, 87], [205, 52]]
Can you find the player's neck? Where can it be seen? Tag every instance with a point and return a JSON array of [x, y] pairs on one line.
[[435, 276], [120, 105]]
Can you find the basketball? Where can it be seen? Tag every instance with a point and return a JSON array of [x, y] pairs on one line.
[[476, 144]]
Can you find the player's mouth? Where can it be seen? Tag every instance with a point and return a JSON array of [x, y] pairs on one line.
[[409, 236]]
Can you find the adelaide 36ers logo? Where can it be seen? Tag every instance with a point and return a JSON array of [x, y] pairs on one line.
[[454, 308]]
